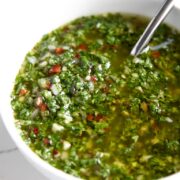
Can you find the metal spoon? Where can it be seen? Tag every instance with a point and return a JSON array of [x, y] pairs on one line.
[[151, 28]]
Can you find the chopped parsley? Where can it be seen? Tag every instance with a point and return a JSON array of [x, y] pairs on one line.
[[87, 107]]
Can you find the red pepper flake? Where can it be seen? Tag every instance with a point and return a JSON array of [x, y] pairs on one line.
[[77, 56], [93, 78], [55, 152], [90, 117], [46, 141], [99, 117], [39, 103], [23, 92], [43, 107], [59, 50], [35, 131], [155, 54], [82, 47], [55, 69]]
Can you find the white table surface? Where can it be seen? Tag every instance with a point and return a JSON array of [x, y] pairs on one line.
[[13, 166]]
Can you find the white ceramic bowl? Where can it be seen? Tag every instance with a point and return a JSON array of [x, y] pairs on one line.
[[25, 25]]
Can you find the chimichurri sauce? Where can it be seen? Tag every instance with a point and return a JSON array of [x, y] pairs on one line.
[[87, 107]]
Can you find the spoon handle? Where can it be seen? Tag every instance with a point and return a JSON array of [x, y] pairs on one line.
[[151, 28]]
